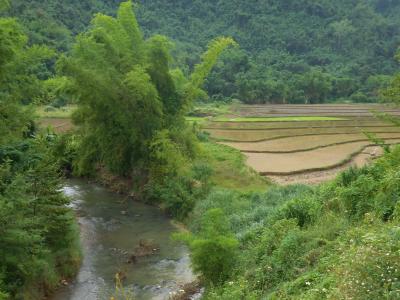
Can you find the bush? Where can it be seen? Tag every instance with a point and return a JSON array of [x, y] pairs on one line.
[[305, 210], [213, 248], [359, 97], [339, 240], [174, 195], [358, 197], [369, 267]]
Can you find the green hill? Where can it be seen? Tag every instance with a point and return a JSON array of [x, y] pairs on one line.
[[290, 51]]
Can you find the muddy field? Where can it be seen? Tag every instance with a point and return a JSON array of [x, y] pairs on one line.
[[367, 156], [264, 135], [340, 110], [348, 122], [305, 151], [304, 143], [306, 161]]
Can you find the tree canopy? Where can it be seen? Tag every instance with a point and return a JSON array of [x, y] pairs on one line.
[[282, 42], [38, 236], [126, 93]]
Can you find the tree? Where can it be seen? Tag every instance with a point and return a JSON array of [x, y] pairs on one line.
[[392, 93], [316, 86], [19, 82], [342, 31], [38, 237], [127, 94], [4, 4]]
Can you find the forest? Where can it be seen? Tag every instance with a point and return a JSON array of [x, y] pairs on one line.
[[154, 101], [290, 52]]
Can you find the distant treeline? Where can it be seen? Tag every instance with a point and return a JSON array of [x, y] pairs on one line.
[[294, 51]]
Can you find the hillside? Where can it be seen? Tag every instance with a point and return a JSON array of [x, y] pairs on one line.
[[116, 105], [290, 51]]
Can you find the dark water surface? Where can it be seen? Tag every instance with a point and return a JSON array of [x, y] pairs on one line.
[[111, 227]]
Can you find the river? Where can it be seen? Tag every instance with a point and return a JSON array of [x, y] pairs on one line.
[[112, 226]]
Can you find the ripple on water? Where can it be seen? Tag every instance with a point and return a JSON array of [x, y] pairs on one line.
[[111, 228]]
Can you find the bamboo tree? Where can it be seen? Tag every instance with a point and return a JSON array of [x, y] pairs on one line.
[[127, 96], [203, 69]]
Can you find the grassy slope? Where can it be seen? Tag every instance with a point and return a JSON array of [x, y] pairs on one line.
[[336, 241], [339, 240], [230, 169]]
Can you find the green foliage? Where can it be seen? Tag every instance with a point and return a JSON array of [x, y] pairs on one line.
[[209, 59], [351, 42], [55, 92], [372, 256], [54, 23], [335, 241], [176, 195], [213, 248], [131, 107], [4, 4], [316, 86], [304, 210], [119, 109], [19, 82], [38, 233], [392, 93]]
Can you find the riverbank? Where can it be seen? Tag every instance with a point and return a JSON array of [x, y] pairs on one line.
[[229, 170]]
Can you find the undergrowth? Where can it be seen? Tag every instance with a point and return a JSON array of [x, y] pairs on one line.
[[340, 240]]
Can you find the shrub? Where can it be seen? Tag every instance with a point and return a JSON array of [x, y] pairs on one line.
[[369, 265], [174, 195], [213, 248], [358, 197], [388, 196], [304, 210]]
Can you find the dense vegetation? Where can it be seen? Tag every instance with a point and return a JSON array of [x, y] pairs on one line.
[[38, 233], [339, 240], [291, 51], [54, 23], [131, 108], [133, 90], [392, 92]]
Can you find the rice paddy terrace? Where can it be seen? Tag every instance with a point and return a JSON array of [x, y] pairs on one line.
[[304, 143]]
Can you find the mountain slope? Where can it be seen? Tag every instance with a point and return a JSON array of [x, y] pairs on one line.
[[290, 51]]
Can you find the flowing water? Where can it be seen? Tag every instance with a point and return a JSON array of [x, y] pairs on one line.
[[112, 226]]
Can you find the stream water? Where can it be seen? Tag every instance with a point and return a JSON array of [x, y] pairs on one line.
[[112, 226]]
